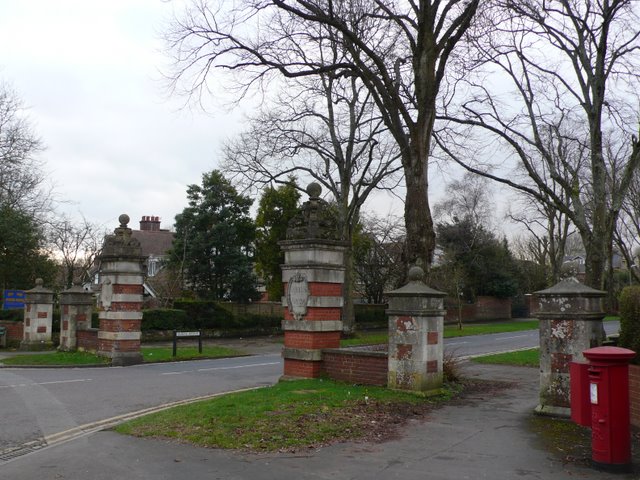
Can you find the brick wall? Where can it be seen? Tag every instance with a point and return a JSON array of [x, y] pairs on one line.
[[468, 311], [634, 394], [491, 308], [88, 339], [356, 365], [14, 329]]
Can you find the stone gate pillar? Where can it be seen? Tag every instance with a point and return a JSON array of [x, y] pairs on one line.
[[313, 275], [416, 325], [38, 318], [76, 306], [120, 306], [570, 315]]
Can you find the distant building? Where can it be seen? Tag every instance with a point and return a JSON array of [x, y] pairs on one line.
[[155, 243]]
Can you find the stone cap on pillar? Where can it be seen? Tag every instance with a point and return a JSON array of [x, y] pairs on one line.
[[121, 244], [570, 287], [415, 297], [315, 221], [76, 295], [38, 294], [570, 299]]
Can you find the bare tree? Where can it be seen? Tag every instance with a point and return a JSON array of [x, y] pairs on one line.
[[468, 197], [548, 230], [558, 92], [398, 50], [378, 247], [327, 130], [77, 245], [22, 180], [627, 234]]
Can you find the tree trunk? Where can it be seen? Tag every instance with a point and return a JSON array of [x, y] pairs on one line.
[[420, 242]]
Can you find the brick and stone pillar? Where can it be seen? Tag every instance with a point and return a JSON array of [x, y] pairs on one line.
[[76, 306], [313, 275], [570, 315], [120, 306], [38, 318], [416, 325]]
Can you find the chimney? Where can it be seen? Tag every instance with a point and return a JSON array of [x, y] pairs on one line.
[[150, 224]]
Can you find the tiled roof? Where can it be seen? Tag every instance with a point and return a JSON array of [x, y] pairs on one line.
[[156, 243]]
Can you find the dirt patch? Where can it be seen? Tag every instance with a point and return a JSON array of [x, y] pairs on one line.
[[377, 422]]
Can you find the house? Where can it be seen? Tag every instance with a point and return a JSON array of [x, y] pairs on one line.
[[155, 243]]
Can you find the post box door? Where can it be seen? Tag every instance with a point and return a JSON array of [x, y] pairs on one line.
[[600, 414]]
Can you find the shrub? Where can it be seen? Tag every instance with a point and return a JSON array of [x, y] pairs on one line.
[[630, 319], [163, 319], [202, 314], [14, 315], [370, 315]]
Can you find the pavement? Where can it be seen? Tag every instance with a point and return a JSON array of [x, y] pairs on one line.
[[487, 435]]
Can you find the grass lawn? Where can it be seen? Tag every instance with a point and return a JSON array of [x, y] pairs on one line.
[[286, 416], [56, 358], [149, 354], [450, 331], [522, 358]]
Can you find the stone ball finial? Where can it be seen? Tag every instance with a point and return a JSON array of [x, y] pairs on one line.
[[314, 190], [416, 274], [39, 282], [124, 220]]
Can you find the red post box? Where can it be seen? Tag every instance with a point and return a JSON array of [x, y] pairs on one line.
[[609, 398], [579, 388]]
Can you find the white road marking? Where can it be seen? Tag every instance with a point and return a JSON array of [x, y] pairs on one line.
[[511, 337], [223, 368], [46, 383]]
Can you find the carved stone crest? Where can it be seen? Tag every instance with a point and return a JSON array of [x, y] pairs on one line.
[[298, 295]]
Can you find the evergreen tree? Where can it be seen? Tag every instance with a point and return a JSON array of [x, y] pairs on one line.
[[277, 206], [213, 245]]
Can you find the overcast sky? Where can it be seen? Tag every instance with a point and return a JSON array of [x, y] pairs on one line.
[[89, 73]]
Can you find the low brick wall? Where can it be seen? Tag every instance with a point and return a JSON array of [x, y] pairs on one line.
[[366, 365], [634, 394], [14, 329], [88, 340], [452, 308], [491, 308]]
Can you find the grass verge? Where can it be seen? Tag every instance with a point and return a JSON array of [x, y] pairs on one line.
[[287, 416], [149, 354], [450, 331], [522, 358], [56, 358]]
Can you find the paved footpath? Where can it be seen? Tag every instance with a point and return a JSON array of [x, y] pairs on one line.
[[482, 437]]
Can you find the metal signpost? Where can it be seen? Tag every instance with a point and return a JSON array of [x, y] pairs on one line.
[[177, 334]]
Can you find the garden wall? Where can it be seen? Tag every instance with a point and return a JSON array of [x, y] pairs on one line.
[[485, 308], [87, 339], [367, 365], [14, 329]]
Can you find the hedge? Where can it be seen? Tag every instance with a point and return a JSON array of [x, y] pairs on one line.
[[203, 315], [630, 319], [163, 319], [370, 315], [14, 315]]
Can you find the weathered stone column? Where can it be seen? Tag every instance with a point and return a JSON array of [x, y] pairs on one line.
[[76, 306], [313, 274], [38, 318], [416, 324], [120, 307], [570, 315]]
